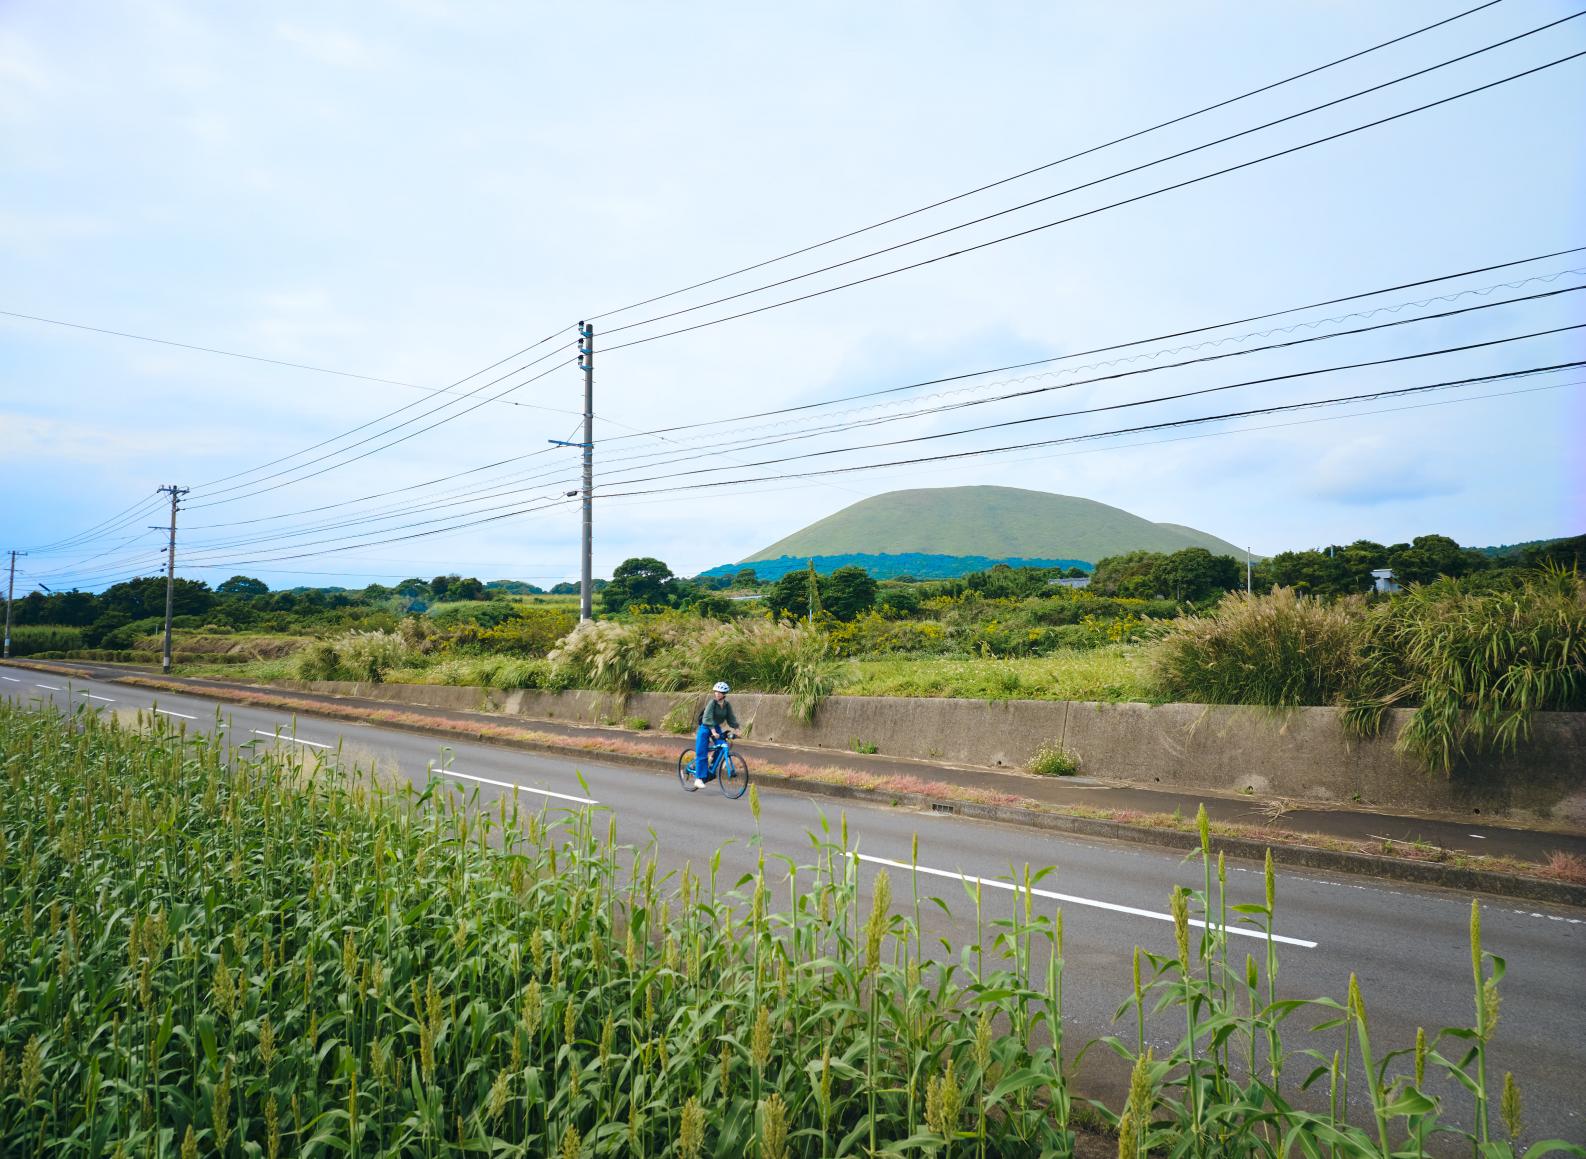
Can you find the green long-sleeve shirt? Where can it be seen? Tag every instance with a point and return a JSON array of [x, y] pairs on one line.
[[717, 713]]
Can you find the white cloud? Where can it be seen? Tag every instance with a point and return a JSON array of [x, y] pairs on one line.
[[331, 46], [1369, 471]]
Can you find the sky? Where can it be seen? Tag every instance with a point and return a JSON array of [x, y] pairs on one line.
[[411, 192]]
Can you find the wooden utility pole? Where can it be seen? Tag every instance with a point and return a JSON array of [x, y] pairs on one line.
[[175, 493], [11, 587], [586, 363]]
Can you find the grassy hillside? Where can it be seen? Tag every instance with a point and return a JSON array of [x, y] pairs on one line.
[[914, 564], [989, 521]]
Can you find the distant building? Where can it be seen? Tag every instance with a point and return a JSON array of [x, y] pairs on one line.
[[1081, 582], [1383, 578]]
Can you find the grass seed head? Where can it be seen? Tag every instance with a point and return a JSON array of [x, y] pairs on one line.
[[1180, 908], [691, 1131], [1203, 827], [773, 1127], [1509, 1105], [190, 1144], [760, 1041], [880, 907], [571, 1143], [1490, 1001], [944, 1102], [1420, 1055]]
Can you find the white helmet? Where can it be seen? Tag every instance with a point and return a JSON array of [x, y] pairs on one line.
[[720, 686]]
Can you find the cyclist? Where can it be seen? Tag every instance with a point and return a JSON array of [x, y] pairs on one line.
[[717, 718]]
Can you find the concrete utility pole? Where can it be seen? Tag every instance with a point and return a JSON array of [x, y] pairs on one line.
[[586, 363], [1248, 570], [175, 493], [11, 587]]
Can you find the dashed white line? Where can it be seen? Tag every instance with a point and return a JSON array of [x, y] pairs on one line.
[[13, 679], [295, 739], [1088, 901], [168, 712], [511, 785], [95, 696], [51, 687]]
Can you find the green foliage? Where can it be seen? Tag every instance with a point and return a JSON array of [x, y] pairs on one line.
[[669, 652], [1109, 673], [1052, 760], [1283, 648], [30, 640], [1475, 661], [521, 630], [271, 957], [363, 656], [642, 581], [847, 592]]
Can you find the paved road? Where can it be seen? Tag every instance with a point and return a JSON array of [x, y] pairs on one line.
[[1407, 944]]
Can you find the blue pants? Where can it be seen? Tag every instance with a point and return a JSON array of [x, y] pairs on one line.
[[702, 737]]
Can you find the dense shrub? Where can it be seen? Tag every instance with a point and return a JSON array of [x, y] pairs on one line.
[[1475, 659], [671, 652], [353, 656], [28, 640], [1277, 649]]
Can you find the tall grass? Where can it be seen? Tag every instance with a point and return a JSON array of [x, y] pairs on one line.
[[240, 955], [31, 639], [1282, 648], [669, 653], [354, 656], [1475, 663]]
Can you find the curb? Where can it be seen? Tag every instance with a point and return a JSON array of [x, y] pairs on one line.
[[1458, 878]]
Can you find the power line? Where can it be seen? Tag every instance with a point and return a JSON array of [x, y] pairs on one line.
[[1113, 346], [1290, 376], [1268, 380], [1165, 425], [1097, 181], [1091, 436], [487, 493], [1103, 208], [400, 409], [381, 447], [1050, 164], [250, 357], [765, 441]]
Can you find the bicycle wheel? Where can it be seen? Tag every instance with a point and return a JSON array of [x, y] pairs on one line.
[[685, 768], [734, 777]]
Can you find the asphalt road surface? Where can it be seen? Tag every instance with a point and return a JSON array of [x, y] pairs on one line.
[[1408, 944]]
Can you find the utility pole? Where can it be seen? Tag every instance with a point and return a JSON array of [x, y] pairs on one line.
[[1248, 569], [11, 588], [175, 493], [586, 363]]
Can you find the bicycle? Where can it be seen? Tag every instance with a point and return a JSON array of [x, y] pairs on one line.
[[729, 770]]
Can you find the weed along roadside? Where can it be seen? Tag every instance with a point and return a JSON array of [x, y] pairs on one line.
[[993, 797], [345, 966]]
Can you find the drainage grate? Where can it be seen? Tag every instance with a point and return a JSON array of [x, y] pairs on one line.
[[939, 807]]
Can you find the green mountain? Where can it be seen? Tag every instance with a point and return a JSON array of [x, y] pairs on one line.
[[989, 521]]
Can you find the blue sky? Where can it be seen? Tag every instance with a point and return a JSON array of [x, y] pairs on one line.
[[413, 191]]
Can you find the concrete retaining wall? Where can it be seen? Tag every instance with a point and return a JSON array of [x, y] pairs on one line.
[[1303, 754]]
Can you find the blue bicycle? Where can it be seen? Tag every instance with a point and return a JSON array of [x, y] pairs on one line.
[[729, 770]]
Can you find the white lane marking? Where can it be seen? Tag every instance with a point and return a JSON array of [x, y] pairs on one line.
[[168, 712], [13, 679], [298, 740], [1477, 836], [511, 785], [51, 687], [1106, 905], [93, 696]]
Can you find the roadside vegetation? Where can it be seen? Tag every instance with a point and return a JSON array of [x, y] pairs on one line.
[[1475, 644], [206, 951]]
